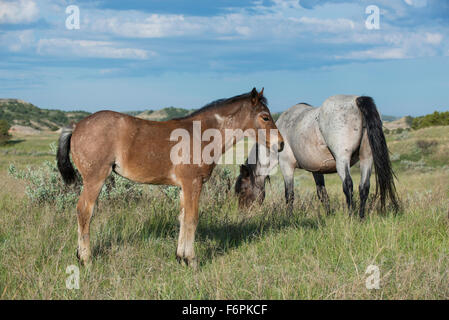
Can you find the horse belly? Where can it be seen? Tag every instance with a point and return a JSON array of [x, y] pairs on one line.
[[319, 160], [144, 157], [145, 167], [311, 152]]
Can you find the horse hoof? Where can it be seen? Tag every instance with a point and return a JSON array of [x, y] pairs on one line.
[[84, 261], [192, 263]]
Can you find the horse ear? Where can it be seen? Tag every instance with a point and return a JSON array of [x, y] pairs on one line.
[[261, 93], [244, 171], [254, 96]]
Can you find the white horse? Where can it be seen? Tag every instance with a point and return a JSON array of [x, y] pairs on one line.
[[328, 139]]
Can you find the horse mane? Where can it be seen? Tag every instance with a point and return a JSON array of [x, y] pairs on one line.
[[222, 102], [305, 104]]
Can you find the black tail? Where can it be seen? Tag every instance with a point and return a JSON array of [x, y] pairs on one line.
[[384, 173], [63, 156]]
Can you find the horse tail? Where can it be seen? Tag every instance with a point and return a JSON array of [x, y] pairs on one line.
[[384, 172], [63, 156]]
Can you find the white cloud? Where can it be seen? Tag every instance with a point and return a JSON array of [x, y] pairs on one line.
[[241, 24], [376, 54], [416, 3], [21, 11], [154, 26], [136, 25], [17, 40], [89, 49], [401, 45], [328, 25], [434, 38]]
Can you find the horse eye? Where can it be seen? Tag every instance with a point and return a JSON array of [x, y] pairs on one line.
[[265, 118]]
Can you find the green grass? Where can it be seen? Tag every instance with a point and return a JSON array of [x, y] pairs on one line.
[[262, 253], [27, 150]]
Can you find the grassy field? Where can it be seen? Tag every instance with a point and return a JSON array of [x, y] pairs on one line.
[[263, 253]]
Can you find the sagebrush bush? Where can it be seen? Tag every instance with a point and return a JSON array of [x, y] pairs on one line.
[[44, 185], [215, 190], [426, 145]]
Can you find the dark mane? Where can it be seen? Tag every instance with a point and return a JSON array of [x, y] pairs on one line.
[[222, 102], [305, 103]]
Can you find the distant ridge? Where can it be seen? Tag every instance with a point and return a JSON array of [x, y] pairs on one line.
[[26, 117], [389, 118], [164, 114], [402, 123]]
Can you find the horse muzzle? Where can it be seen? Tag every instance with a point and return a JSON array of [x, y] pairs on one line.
[[281, 146]]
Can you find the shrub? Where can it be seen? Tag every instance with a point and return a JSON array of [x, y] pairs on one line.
[[44, 185], [215, 190], [426, 145], [430, 120], [409, 120], [4, 131]]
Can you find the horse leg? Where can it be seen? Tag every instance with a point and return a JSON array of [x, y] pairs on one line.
[[188, 220], [321, 191], [366, 164], [344, 173], [288, 173], [85, 208]]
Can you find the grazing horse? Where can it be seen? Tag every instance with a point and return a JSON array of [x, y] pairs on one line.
[[142, 150], [328, 139]]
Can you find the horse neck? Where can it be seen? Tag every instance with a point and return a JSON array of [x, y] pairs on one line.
[[231, 116]]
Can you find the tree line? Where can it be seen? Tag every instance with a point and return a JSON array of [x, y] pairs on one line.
[[431, 120]]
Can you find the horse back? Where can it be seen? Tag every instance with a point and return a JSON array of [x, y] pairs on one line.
[[135, 148]]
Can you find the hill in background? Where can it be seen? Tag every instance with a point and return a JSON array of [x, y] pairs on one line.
[[22, 115], [386, 118], [164, 114], [26, 118], [402, 123]]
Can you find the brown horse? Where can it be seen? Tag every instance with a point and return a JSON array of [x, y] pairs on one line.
[[142, 151]]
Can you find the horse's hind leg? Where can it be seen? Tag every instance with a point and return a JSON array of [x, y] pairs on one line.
[[343, 169], [288, 173], [188, 220], [287, 163], [321, 191], [366, 164], [91, 189]]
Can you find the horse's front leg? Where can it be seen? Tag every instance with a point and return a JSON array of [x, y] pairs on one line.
[[288, 172], [188, 220]]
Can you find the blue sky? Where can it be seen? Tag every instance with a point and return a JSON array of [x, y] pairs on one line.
[[135, 55]]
